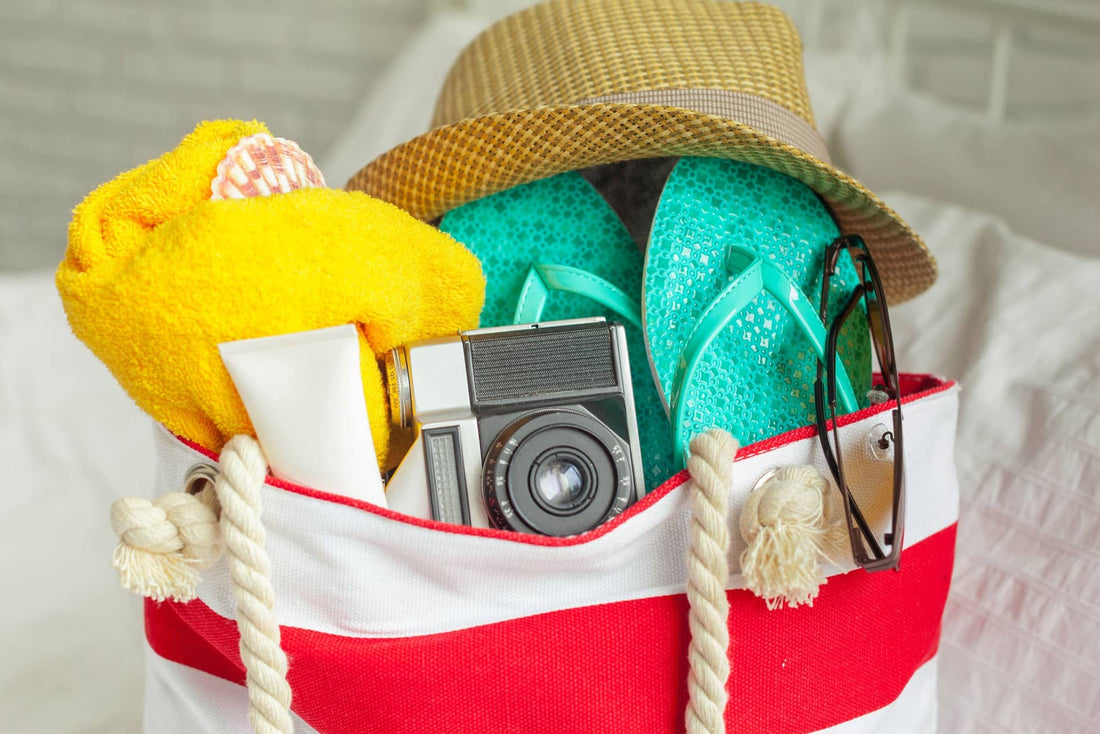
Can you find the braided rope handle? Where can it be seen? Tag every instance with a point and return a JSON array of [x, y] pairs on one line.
[[238, 486], [164, 543], [710, 464]]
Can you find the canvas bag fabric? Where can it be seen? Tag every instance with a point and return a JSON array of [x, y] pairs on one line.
[[394, 624]]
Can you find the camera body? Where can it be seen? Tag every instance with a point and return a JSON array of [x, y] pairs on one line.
[[528, 428]]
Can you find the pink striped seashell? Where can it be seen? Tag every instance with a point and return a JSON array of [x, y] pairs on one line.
[[261, 165]]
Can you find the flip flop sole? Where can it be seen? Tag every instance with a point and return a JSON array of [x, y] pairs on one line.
[[756, 380]]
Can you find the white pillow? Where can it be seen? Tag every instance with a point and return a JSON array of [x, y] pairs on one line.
[[72, 440], [1041, 178]]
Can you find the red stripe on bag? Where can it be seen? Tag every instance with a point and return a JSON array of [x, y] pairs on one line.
[[618, 667]]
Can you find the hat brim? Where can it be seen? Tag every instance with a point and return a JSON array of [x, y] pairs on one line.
[[457, 163]]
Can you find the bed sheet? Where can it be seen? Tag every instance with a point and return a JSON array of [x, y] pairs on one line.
[[1017, 323], [1016, 319]]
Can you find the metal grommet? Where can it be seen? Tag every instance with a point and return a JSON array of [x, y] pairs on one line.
[[198, 477], [770, 474]]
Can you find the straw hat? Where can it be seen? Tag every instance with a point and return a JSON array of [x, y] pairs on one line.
[[569, 84]]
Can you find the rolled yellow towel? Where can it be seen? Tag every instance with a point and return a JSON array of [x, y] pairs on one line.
[[156, 275]]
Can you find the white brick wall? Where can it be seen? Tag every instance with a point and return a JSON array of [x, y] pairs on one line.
[[89, 88]]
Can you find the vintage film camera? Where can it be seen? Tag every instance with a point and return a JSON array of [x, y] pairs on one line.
[[528, 428]]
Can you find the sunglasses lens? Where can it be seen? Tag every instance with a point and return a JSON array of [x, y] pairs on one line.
[[881, 339]]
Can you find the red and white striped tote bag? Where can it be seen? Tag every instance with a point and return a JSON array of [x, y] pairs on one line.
[[393, 624]]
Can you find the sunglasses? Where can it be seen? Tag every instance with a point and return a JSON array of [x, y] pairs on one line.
[[871, 552]]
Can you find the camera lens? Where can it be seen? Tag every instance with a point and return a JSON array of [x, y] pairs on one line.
[[560, 472], [562, 481]]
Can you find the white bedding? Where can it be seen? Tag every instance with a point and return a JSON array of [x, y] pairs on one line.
[[1015, 319]]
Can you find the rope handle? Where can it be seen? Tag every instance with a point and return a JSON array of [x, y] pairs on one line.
[[789, 523], [164, 543], [710, 464]]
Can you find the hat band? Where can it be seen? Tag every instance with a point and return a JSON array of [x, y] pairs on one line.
[[754, 111]]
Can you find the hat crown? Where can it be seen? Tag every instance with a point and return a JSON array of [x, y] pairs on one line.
[[566, 52], [571, 84]]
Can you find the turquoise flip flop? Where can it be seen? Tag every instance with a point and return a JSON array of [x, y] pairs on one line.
[[732, 284], [554, 249]]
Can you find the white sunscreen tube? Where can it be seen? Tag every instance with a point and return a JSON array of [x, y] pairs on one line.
[[304, 395]]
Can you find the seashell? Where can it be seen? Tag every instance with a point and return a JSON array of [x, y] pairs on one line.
[[260, 165]]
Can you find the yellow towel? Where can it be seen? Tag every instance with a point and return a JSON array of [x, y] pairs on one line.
[[156, 276]]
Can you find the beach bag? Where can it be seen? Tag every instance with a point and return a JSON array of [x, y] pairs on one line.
[[387, 623]]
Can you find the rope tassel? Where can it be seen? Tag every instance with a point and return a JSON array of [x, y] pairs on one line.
[[164, 543], [790, 524]]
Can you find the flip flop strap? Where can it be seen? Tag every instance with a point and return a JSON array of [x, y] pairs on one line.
[[780, 285], [755, 276], [543, 278]]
